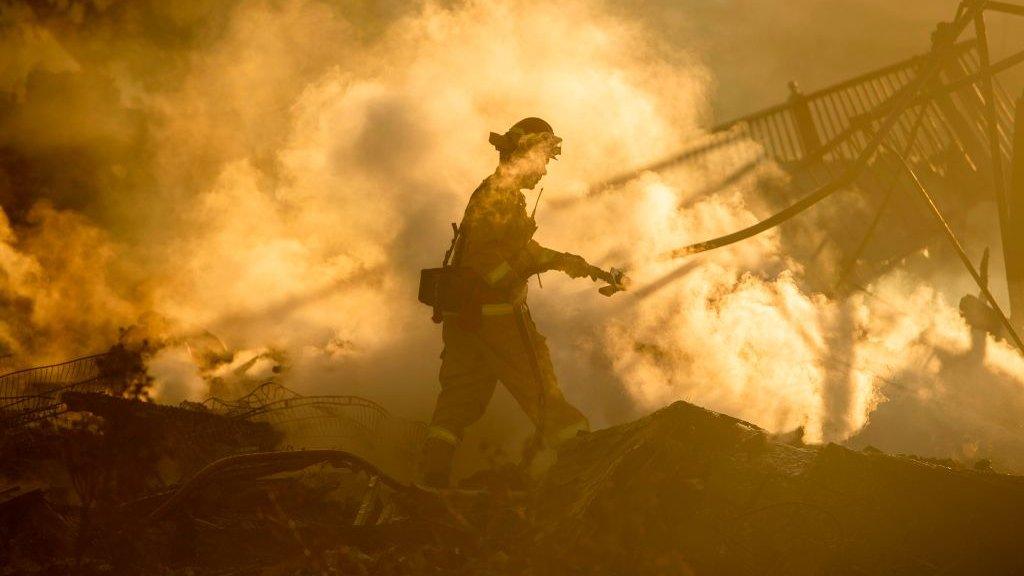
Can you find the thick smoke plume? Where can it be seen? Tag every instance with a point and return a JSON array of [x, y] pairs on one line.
[[276, 174]]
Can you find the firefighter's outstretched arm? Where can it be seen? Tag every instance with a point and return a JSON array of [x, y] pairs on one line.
[[541, 259], [505, 254], [536, 258]]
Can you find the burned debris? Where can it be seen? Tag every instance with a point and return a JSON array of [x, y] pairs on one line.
[[97, 481], [683, 491], [689, 491], [95, 477]]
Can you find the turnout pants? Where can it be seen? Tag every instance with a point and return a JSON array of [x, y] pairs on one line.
[[473, 361]]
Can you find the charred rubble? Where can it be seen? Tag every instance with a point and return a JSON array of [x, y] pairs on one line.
[[109, 484]]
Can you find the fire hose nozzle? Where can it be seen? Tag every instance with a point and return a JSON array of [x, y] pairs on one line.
[[617, 282]]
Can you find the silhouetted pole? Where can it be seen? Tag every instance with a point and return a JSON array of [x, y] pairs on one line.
[[1006, 223], [1015, 233]]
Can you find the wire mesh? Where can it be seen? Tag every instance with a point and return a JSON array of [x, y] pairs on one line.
[[33, 394]]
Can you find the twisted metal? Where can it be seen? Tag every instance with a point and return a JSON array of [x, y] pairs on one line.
[[310, 421], [33, 394]]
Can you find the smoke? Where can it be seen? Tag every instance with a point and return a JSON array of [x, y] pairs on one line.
[[175, 375], [276, 173], [57, 288]]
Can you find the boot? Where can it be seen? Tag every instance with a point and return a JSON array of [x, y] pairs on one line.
[[437, 463]]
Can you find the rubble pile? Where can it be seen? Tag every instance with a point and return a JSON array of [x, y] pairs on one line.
[[687, 491], [123, 486], [84, 509]]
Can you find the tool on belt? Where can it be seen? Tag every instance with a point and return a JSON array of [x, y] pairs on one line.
[[454, 289], [436, 283]]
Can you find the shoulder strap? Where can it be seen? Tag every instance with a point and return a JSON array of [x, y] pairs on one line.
[[462, 232]]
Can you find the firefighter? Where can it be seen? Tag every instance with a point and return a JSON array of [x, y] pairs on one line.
[[491, 337]]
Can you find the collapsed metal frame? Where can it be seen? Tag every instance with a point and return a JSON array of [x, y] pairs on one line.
[[33, 394], [913, 106], [323, 420], [819, 131]]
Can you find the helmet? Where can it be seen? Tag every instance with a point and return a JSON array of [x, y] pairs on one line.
[[525, 133]]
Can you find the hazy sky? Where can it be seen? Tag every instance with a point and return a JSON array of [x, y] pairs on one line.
[[754, 47]]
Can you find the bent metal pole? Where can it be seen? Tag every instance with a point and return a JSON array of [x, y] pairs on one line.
[[951, 237]]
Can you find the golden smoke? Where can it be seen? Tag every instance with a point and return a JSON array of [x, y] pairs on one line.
[[276, 173]]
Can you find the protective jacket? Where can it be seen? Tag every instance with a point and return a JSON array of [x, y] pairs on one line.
[[496, 241]]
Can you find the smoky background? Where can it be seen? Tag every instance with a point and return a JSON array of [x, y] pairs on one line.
[[276, 174]]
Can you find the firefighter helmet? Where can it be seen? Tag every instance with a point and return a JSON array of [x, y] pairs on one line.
[[524, 134]]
